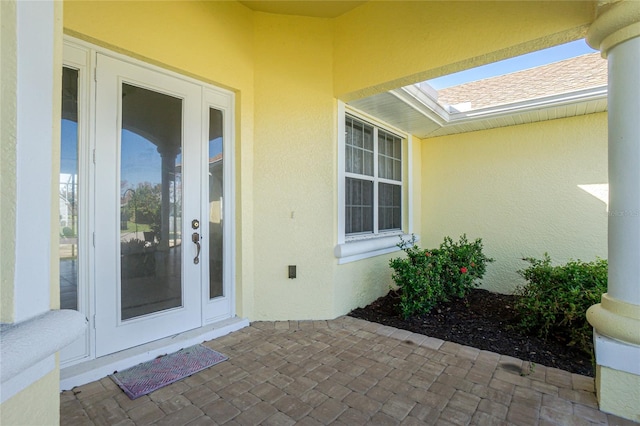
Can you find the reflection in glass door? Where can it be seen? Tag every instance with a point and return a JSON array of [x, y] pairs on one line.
[[150, 202], [216, 199], [148, 177], [68, 191], [218, 276], [159, 172]]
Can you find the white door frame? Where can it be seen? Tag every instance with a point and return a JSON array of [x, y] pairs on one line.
[[211, 96], [113, 333], [222, 307]]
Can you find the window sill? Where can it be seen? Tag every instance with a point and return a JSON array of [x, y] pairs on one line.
[[28, 348], [359, 249]]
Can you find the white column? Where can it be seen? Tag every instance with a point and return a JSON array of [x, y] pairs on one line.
[[616, 320], [34, 141], [624, 171]]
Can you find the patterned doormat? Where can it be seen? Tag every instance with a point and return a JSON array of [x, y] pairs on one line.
[[151, 375]]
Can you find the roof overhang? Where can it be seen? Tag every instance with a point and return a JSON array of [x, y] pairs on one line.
[[415, 111]]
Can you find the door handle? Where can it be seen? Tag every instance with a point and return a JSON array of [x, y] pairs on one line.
[[195, 237]]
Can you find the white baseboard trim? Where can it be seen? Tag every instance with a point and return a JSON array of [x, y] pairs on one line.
[[617, 355]]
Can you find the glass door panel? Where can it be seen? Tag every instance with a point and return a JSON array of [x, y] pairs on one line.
[[148, 177], [74, 196], [68, 191], [215, 206], [150, 202]]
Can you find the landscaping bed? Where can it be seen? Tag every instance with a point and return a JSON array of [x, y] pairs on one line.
[[482, 320]]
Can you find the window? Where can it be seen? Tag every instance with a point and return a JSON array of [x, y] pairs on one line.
[[375, 187], [373, 179]]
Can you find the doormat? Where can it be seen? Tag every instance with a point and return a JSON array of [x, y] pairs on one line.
[[152, 375]]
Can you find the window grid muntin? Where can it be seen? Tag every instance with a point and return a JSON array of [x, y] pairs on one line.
[[389, 156], [359, 194], [359, 145], [375, 178], [389, 206]]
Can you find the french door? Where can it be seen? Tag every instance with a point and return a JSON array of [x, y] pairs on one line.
[[161, 241]]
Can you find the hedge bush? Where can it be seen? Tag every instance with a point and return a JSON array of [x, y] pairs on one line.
[[555, 299], [427, 277]]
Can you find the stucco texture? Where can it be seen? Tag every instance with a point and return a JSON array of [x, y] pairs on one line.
[[517, 189], [8, 115], [287, 72], [618, 392], [294, 178], [440, 41], [39, 404]]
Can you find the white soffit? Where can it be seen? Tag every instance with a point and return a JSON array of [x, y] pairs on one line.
[[415, 118], [414, 111]]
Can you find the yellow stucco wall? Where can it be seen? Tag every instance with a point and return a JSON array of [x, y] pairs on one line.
[[286, 72], [209, 40], [517, 189], [8, 159], [294, 175], [361, 282], [39, 404], [618, 392], [426, 39]]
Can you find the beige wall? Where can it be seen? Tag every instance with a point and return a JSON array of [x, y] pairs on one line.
[[209, 40], [8, 115], [517, 189], [420, 40], [294, 175], [286, 72], [39, 404]]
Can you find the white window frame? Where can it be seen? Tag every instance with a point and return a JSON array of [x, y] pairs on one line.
[[355, 247]]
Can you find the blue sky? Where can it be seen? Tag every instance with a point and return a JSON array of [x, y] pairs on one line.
[[530, 60]]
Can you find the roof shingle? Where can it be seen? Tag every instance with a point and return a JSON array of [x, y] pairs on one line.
[[569, 75]]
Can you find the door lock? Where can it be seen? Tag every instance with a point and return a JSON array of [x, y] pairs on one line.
[[195, 224]]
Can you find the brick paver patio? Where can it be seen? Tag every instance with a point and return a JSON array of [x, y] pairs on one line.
[[347, 372]]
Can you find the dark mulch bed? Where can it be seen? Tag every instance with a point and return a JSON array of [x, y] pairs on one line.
[[481, 321]]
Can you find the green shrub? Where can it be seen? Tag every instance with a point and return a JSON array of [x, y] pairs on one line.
[[427, 277], [555, 299]]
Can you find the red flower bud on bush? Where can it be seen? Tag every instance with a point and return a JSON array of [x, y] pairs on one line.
[[463, 270]]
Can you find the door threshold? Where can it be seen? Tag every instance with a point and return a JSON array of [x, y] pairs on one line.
[[95, 369]]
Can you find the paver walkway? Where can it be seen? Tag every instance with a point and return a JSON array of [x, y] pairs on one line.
[[350, 372]]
